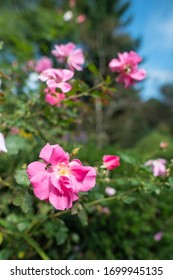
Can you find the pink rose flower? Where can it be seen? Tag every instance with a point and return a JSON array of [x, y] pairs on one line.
[[164, 144], [110, 191], [81, 18], [158, 166], [70, 54], [127, 68], [111, 161], [14, 130], [72, 3], [158, 236], [56, 78], [42, 64], [54, 98], [59, 180], [2, 144]]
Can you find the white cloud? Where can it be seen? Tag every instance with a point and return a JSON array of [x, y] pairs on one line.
[[162, 76], [159, 33]]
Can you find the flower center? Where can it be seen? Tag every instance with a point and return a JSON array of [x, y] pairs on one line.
[[127, 69], [62, 170]]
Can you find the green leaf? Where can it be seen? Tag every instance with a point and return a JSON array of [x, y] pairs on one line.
[[129, 199], [127, 158], [15, 143], [93, 69], [61, 237], [82, 215], [24, 200], [27, 202], [22, 178], [56, 229]]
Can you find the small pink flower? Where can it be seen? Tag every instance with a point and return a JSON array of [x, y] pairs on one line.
[[31, 64], [158, 236], [110, 191], [158, 166], [54, 98], [42, 64], [81, 18], [56, 78], [127, 67], [72, 3], [106, 210], [2, 144], [14, 130], [59, 180], [111, 161], [70, 54], [164, 144]]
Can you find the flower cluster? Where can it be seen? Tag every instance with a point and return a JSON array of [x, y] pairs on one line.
[[56, 78]]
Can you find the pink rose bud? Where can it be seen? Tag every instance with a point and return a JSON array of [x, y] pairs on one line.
[[126, 65], [111, 161]]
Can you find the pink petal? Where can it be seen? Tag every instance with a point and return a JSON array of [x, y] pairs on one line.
[[35, 167], [58, 156], [139, 75], [65, 87], [59, 201], [41, 184], [85, 177], [68, 74], [60, 183], [115, 65], [46, 152], [134, 57]]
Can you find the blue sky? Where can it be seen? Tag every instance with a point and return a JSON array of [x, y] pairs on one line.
[[153, 22]]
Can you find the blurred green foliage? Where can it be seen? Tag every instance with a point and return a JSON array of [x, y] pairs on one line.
[[105, 121]]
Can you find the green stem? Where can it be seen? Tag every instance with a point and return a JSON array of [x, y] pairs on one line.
[[86, 93], [95, 202], [36, 247]]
